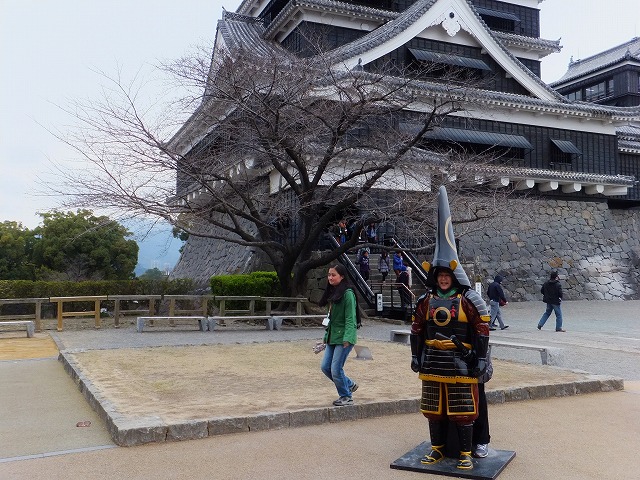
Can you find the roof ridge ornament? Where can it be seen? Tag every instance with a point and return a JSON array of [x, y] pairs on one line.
[[451, 24], [358, 67]]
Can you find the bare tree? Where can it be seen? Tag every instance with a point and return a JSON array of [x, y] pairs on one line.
[[279, 148]]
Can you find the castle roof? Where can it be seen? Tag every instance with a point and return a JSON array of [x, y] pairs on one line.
[[244, 34], [579, 68]]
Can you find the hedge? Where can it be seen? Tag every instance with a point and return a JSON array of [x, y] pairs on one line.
[[261, 284], [41, 289]]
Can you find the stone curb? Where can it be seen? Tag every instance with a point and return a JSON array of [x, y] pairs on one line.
[[129, 432]]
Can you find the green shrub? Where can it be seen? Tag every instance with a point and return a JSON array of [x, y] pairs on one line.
[[260, 284], [43, 289]]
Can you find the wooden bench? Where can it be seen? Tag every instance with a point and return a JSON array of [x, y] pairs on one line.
[[400, 336], [544, 351], [29, 324], [203, 323], [274, 321]]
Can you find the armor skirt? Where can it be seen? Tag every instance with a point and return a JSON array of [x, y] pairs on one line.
[[458, 401]]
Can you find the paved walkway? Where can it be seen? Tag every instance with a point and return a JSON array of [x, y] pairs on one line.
[[553, 438]]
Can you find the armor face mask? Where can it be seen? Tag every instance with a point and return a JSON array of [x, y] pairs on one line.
[[445, 254]]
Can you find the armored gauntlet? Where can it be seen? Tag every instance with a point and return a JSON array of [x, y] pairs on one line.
[[482, 346], [416, 351]]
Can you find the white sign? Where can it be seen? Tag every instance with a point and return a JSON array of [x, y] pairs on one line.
[[479, 287], [379, 304]]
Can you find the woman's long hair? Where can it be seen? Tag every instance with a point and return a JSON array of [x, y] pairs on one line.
[[332, 293]]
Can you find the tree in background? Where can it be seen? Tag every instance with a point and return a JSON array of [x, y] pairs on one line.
[[278, 149], [81, 246], [153, 274], [16, 247], [180, 235]]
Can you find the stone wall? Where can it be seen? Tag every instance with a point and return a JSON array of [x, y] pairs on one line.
[[596, 251], [202, 258]]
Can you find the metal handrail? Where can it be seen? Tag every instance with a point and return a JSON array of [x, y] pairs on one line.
[[412, 260], [360, 283]]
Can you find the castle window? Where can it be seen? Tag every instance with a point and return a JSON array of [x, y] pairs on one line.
[[501, 21], [573, 96], [502, 146], [453, 60], [599, 91], [562, 154]]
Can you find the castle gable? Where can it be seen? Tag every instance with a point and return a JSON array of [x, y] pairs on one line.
[[455, 19]]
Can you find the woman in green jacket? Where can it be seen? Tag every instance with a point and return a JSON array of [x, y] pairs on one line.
[[340, 335]]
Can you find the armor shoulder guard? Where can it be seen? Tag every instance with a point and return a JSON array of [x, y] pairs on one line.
[[475, 298], [421, 299]]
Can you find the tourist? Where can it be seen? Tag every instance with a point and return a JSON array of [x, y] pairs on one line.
[[398, 263], [383, 265], [405, 294], [342, 232], [341, 332], [363, 262], [496, 300], [372, 233], [481, 437], [552, 295]]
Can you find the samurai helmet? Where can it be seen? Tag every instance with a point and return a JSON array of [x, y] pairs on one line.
[[445, 254]]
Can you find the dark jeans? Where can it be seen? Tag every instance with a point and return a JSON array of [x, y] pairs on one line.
[[481, 424]]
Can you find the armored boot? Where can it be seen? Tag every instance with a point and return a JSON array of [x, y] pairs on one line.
[[465, 434], [438, 433]]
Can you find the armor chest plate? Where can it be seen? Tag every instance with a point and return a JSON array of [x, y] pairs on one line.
[[446, 316]]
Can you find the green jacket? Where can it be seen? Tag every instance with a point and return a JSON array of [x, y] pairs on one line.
[[342, 325]]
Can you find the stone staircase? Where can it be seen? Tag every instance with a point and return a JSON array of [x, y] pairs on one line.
[[390, 296]]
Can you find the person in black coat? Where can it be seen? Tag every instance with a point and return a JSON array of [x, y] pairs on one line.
[[496, 300], [552, 295]]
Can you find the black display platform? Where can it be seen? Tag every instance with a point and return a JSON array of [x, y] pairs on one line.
[[487, 468]]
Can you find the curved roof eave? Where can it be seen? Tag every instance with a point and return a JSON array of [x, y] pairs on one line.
[[423, 14], [512, 100], [541, 44], [383, 16], [627, 51], [340, 8]]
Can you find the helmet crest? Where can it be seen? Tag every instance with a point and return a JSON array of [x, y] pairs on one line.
[[445, 254]]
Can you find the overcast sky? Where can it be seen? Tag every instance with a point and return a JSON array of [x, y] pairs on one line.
[[49, 52]]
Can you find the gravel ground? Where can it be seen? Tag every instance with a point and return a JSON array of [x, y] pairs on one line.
[[602, 337]]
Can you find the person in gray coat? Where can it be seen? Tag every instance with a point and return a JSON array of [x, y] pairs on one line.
[[552, 295]]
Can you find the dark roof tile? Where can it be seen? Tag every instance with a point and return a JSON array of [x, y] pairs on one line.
[[579, 68]]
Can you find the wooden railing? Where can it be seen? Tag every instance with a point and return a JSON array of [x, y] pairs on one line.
[[62, 314], [37, 315], [117, 310], [92, 306]]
